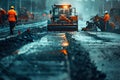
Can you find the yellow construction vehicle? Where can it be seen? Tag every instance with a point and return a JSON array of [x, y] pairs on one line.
[[63, 18]]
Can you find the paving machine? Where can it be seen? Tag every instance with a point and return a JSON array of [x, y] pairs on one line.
[[63, 18]]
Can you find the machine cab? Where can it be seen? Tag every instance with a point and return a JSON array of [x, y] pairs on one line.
[[63, 17]]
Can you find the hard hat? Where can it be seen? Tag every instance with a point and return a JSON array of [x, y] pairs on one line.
[[106, 11], [12, 7]]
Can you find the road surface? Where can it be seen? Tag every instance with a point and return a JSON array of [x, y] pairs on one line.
[[42, 55]]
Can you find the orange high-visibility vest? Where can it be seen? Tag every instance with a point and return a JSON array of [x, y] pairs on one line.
[[106, 17], [12, 15]]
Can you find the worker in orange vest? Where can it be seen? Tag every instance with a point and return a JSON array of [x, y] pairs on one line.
[[106, 20], [12, 18]]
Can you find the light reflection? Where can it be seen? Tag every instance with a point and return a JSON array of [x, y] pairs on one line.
[[65, 7], [65, 43], [64, 51], [63, 36]]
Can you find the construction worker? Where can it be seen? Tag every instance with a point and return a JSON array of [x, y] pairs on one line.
[[106, 19], [12, 18], [2, 16]]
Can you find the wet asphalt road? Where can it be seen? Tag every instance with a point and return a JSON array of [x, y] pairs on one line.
[[41, 55], [49, 56], [43, 58], [104, 50]]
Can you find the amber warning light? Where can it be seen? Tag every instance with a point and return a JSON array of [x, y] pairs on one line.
[[65, 7]]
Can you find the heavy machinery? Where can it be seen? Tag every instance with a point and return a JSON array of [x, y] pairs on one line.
[[63, 18]]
